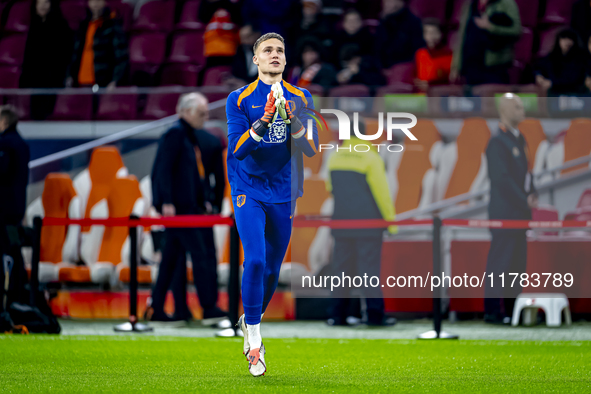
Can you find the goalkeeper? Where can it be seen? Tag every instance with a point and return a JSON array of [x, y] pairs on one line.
[[267, 139]]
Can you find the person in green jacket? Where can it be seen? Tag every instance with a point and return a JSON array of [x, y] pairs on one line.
[[488, 32], [359, 186]]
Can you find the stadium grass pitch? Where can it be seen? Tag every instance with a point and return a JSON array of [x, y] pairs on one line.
[[40, 363]]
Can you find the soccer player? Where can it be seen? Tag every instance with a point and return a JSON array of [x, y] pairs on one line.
[[267, 134]]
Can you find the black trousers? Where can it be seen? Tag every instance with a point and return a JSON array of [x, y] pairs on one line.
[[507, 254], [357, 256], [12, 267], [172, 273]]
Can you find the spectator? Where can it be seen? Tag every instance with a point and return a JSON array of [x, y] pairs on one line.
[[187, 160], [399, 35], [433, 63], [353, 32], [359, 187], [100, 49], [581, 19], [358, 69], [14, 170], [279, 17], [312, 68], [244, 71], [49, 38], [564, 70], [488, 32], [313, 24], [222, 18], [14, 176]]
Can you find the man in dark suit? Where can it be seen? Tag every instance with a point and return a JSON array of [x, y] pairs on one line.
[[14, 177], [512, 195], [188, 179]]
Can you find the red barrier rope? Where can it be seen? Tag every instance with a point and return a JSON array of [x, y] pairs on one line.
[[182, 221], [315, 221], [515, 224], [194, 221]]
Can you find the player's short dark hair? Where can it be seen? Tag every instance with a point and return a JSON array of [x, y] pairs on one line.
[[266, 37], [9, 113]]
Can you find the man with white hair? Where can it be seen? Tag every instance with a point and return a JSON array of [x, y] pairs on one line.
[[512, 196], [188, 179]]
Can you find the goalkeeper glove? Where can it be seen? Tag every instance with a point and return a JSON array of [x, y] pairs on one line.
[[288, 117], [261, 126]]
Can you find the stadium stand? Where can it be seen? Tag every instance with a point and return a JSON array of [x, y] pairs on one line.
[[463, 164]]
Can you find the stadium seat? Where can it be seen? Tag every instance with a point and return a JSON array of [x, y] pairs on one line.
[[399, 88], [159, 105], [117, 107], [488, 94], [585, 200], [187, 48], [577, 143], [558, 12], [548, 39], [19, 17], [528, 12], [188, 19], [400, 73], [463, 165], [413, 183], [102, 250], [428, 9], [349, 91], [94, 183], [124, 12], [12, 49], [146, 54], [215, 76], [179, 74], [72, 107], [156, 15], [59, 244], [580, 214], [537, 143], [74, 12], [9, 77], [545, 213]]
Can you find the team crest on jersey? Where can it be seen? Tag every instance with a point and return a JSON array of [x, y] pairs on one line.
[[278, 133], [241, 200]]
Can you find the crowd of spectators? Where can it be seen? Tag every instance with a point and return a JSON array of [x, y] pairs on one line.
[[328, 44]]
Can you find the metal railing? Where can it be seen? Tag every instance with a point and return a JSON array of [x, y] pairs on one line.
[[113, 138]]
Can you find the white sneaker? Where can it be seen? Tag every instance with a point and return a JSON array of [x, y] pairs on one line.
[[242, 325], [256, 361]]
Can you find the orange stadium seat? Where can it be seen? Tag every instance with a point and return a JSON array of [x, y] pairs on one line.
[[537, 143], [571, 144], [59, 244], [416, 173], [94, 183], [463, 164], [577, 143]]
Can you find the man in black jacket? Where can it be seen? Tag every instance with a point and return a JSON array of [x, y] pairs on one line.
[[512, 195], [100, 49], [14, 177], [399, 35], [188, 179]]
